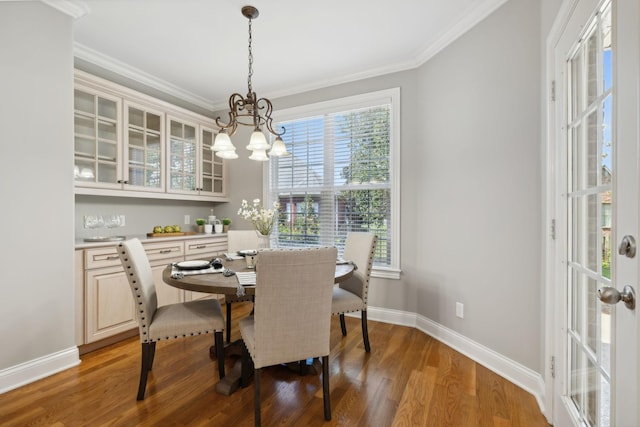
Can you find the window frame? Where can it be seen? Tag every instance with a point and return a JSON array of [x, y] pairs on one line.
[[370, 99]]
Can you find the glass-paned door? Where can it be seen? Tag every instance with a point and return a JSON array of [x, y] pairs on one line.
[[597, 60], [182, 156], [144, 136], [211, 166], [589, 142], [96, 139]]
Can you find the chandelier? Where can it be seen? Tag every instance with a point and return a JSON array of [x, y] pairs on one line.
[[246, 111]]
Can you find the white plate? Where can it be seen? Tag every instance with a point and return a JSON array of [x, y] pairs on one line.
[[193, 265]]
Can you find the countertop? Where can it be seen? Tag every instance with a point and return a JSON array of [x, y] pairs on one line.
[[81, 244]]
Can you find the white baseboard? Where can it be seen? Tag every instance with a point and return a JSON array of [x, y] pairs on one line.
[[516, 373], [33, 370]]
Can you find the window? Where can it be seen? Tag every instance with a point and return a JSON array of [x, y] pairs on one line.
[[341, 176]]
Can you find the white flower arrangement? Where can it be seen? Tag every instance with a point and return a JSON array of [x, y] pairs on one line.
[[262, 219]]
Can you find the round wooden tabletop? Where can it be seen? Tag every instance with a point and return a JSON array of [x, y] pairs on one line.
[[217, 283]]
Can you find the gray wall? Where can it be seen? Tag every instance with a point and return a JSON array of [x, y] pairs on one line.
[[36, 182], [480, 185]]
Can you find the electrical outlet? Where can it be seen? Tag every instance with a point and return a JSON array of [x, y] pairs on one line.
[[122, 220], [460, 310], [187, 219]]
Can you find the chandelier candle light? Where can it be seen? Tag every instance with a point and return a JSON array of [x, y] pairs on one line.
[[246, 112]]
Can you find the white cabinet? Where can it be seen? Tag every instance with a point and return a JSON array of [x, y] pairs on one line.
[[109, 308], [108, 304], [97, 139], [132, 145]]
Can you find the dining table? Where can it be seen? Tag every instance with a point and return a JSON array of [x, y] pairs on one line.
[[216, 282]]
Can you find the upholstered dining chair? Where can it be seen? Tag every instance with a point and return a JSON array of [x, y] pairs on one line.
[[351, 294], [238, 240], [171, 321], [292, 314]]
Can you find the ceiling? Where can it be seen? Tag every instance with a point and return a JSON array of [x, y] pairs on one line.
[[198, 49]]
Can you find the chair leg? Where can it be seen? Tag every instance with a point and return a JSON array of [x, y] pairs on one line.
[[365, 331], [343, 326], [219, 341], [246, 369], [145, 366], [256, 397], [228, 322], [326, 397], [152, 354], [304, 368]]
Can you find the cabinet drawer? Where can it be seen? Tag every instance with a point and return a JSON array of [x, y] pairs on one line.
[[108, 256], [206, 246], [101, 257], [156, 251]]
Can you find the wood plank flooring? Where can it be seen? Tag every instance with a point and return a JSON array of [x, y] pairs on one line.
[[408, 379]]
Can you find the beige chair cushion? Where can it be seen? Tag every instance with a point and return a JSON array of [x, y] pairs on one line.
[[352, 294], [186, 319], [344, 301], [292, 316]]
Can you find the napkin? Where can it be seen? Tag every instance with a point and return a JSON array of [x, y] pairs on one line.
[[232, 256], [246, 278]]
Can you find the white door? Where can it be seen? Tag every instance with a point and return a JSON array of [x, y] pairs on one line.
[[597, 116]]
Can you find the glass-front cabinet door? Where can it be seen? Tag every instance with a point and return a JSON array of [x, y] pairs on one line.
[[183, 157], [144, 157], [211, 167], [97, 140]]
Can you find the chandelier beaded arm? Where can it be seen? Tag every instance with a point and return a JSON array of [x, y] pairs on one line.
[[247, 112]]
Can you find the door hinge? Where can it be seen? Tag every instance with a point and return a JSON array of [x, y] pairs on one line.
[[553, 229], [553, 91], [553, 367]]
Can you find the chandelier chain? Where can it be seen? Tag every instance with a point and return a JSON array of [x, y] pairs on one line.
[[250, 60]]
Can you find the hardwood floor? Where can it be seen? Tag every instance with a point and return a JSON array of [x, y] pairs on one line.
[[408, 379]]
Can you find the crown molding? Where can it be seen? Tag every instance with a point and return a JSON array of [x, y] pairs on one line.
[[74, 8], [470, 19], [125, 70]]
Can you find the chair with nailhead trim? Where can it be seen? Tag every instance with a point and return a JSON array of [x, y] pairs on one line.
[[170, 321], [351, 295], [238, 240], [292, 318]]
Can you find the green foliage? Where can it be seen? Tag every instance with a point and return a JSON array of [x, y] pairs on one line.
[[369, 147]]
